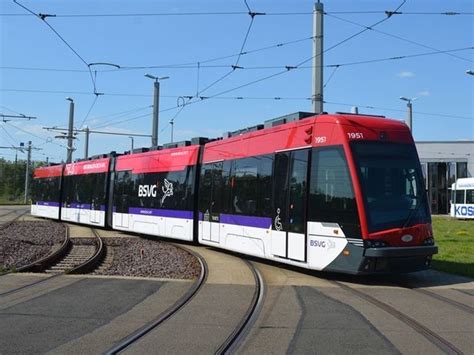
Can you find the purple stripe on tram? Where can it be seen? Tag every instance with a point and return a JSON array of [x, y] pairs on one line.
[[81, 206], [47, 203], [249, 221], [84, 206], [161, 213]]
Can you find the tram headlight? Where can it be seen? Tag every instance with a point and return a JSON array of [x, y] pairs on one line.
[[428, 241], [369, 243]]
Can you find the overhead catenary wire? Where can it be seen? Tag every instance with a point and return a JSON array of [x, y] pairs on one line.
[[236, 64], [367, 61], [215, 59], [401, 38], [9, 109], [241, 13], [288, 68], [89, 111], [366, 28], [444, 115], [331, 75], [47, 140], [13, 140], [43, 17]]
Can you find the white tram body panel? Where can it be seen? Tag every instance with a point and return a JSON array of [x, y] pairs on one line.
[[45, 209], [322, 245], [146, 223], [81, 215]]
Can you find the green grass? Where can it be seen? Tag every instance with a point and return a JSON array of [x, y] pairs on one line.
[[455, 240]]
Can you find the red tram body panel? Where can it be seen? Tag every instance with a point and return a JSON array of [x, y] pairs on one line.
[[84, 193], [46, 191], [363, 170], [154, 192]]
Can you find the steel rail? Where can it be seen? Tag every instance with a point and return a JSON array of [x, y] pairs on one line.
[[48, 260], [458, 305], [6, 224], [6, 214], [86, 266], [235, 340], [443, 344], [91, 263], [168, 313]]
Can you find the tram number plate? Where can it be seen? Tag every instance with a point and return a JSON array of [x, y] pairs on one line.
[[319, 140], [355, 135]]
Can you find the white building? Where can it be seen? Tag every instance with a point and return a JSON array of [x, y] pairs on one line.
[[443, 162]]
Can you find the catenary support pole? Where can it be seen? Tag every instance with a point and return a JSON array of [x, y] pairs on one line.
[[70, 136], [410, 116], [156, 103], [27, 174], [86, 145], [317, 97]]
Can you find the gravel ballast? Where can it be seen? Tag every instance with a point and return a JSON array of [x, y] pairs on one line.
[[22, 243], [149, 258]]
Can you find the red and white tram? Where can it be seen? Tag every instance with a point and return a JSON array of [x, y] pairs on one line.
[[333, 192]]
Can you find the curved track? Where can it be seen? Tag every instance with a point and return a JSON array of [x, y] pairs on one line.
[[458, 305], [175, 308], [5, 224], [84, 267], [233, 342], [444, 345]]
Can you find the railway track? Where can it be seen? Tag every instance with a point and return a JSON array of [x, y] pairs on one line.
[[8, 213], [434, 338], [69, 258], [236, 339], [458, 305], [170, 312], [5, 224]]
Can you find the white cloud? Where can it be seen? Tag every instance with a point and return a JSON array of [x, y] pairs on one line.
[[406, 74], [424, 93]]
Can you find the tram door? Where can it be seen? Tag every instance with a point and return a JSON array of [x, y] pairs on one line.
[[211, 201], [290, 197]]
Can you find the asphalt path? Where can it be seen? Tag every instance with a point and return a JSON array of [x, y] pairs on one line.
[[9, 212], [314, 312]]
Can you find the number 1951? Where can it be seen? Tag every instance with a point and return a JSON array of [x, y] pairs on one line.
[[355, 135]]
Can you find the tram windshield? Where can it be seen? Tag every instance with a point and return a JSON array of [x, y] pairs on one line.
[[392, 184]]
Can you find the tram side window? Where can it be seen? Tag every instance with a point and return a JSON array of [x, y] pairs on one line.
[[123, 190], [331, 195], [45, 189], [211, 188], [205, 188], [244, 186], [264, 185], [99, 189]]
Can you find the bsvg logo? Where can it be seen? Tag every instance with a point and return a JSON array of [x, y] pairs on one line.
[[146, 190]]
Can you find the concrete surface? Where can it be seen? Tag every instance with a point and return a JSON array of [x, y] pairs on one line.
[[47, 321]]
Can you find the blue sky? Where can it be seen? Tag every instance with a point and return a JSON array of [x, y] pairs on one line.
[[444, 109]]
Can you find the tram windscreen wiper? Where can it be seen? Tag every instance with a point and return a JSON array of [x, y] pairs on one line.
[[413, 211]]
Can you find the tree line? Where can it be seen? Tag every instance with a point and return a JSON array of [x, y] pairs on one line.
[[12, 179]]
